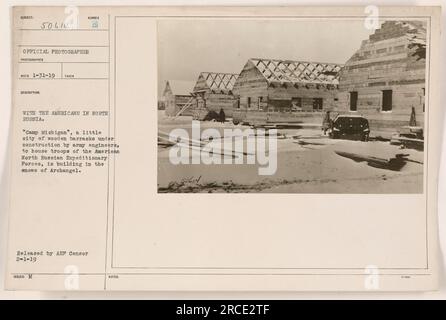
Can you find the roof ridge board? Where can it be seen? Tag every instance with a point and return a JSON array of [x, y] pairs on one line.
[[298, 61], [213, 72]]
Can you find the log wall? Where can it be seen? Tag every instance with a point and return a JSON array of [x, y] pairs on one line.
[[208, 101], [306, 92], [386, 61], [271, 103], [250, 83], [174, 103]]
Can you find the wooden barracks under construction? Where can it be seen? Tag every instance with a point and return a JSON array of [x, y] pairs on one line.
[[384, 81], [213, 92], [281, 91]]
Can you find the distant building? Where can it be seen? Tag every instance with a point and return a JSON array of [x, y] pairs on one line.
[[385, 78], [213, 92], [272, 91], [161, 104], [176, 96]]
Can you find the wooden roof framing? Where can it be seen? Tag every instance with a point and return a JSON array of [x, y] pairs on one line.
[[219, 82], [297, 72]]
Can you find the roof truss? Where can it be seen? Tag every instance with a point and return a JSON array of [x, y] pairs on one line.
[[220, 82], [295, 72]]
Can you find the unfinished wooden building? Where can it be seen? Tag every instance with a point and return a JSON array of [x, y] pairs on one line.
[[385, 78], [177, 97], [272, 91], [213, 92]]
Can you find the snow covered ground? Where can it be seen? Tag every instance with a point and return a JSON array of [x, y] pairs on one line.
[[306, 163]]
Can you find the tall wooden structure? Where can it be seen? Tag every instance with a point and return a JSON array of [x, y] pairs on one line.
[[385, 79]]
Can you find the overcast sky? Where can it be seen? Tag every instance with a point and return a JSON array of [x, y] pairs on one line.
[[188, 47]]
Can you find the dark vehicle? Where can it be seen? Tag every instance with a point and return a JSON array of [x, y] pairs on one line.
[[350, 127]]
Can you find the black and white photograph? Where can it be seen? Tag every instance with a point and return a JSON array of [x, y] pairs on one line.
[[314, 105]]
